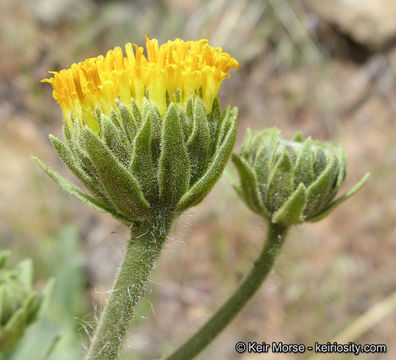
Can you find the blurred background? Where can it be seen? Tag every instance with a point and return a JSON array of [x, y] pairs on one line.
[[327, 68]]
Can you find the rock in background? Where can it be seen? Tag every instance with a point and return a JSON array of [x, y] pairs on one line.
[[369, 22]]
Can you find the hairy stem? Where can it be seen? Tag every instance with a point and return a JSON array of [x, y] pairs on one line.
[[216, 324], [141, 254]]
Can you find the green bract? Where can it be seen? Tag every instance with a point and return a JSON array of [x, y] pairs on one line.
[[141, 164], [289, 182], [20, 304]]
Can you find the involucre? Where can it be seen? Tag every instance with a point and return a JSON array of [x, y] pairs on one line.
[[289, 182]]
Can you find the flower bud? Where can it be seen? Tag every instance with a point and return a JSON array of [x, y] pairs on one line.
[[20, 304], [145, 135], [289, 182]]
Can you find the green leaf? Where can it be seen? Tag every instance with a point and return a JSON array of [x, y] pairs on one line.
[[67, 134], [75, 130], [199, 141], [117, 121], [174, 163], [292, 211], [121, 187], [77, 193], [128, 122], [25, 272], [4, 255], [203, 186], [114, 119], [280, 184], [13, 330], [258, 143], [113, 139], [148, 106], [341, 174], [214, 122], [32, 306], [298, 137], [342, 168], [156, 135], [141, 165], [84, 161], [137, 116], [226, 121], [67, 157], [319, 191], [215, 113], [20, 319], [189, 107], [46, 297], [98, 116], [320, 161], [303, 172], [186, 121], [291, 151], [73, 143], [341, 199], [249, 186], [265, 156]]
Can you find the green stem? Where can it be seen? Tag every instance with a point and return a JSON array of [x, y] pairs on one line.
[[141, 254], [213, 327]]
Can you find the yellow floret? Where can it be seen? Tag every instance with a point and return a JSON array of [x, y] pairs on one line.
[[192, 67]]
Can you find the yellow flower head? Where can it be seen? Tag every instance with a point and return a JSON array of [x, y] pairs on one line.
[[183, 67]]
